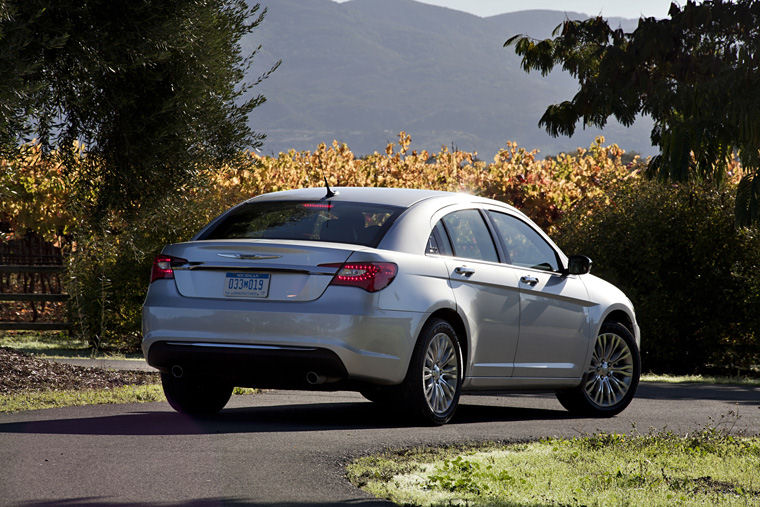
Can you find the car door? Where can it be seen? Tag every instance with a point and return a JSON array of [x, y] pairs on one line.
[[485, 291], [554, 327]]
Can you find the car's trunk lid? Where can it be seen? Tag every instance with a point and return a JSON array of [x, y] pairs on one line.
[[266, 270]]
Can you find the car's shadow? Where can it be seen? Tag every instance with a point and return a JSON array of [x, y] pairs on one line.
[[352, 415], [278, 418]]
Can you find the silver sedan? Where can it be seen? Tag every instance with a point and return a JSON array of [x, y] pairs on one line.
[[409, 296]]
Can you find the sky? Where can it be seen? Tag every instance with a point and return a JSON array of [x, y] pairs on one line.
[[608, 8]]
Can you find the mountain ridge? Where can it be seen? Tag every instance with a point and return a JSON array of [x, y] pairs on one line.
[[363, 70]]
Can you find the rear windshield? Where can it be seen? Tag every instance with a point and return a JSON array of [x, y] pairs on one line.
[[340, 222]]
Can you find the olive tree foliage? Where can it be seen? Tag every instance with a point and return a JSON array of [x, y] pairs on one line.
[[696, 74], [149, 88]]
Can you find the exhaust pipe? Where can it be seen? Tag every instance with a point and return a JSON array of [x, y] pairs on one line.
[[177, 371], [314, 378]]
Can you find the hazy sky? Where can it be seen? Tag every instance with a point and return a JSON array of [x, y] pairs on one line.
[[607, 8]]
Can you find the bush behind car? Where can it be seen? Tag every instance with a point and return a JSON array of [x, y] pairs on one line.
[[693, 276], [109, 264]]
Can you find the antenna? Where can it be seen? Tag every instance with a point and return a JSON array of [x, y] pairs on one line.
[[330, 193]]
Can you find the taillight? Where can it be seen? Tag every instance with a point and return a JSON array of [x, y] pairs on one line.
[[162, 267], [370, 276]]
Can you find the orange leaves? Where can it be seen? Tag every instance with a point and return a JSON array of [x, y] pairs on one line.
[[35, 192], [544, 189]]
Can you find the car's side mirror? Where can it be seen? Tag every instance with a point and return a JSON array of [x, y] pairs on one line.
[[578, 265]]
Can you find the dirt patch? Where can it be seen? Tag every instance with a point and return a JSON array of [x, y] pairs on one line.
[[23, 372]]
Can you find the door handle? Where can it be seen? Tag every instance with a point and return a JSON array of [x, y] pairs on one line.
[[464, 270], [530, 280]]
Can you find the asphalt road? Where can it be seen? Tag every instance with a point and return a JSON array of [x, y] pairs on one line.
[[290, 447]]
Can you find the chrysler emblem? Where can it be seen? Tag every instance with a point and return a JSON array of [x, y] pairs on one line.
[[249, 257]]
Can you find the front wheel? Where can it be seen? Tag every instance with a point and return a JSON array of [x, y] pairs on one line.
[[195, 396], [611, 379], [434, 380]]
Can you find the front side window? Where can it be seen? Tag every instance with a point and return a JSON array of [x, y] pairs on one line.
[[469, 235], [340, 222], [524, 246]]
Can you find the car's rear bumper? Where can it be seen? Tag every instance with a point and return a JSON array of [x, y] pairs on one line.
[[250, 365], [342, 333]]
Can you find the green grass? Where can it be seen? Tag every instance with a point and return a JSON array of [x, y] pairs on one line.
[[708, 468], [700, 379], [55, 345], [36, 400]]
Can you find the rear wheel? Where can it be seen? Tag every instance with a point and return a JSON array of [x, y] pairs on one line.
[[434, 380], [195, 396], [382, 395], [612, 376]]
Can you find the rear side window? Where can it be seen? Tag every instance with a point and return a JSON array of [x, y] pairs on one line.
[[438, 242], [340, 222], [469, 235]]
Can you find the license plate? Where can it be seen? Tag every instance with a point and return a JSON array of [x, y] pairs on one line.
[[246, 285]]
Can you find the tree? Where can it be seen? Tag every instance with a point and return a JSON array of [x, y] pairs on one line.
[[150, 88], [696, 74]]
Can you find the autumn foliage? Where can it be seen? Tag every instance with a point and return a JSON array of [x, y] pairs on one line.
[[35, 191], [542, 188], [109, 262], [618, 218]]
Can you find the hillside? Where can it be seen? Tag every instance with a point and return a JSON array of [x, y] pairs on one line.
[[363, 70]]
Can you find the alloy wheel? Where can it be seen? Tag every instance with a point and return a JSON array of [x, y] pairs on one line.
[[610, 373], [440, 373]]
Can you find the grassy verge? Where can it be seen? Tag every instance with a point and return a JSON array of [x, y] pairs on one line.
[[700, 379], [709, 468], [37, 400], [55, 345]]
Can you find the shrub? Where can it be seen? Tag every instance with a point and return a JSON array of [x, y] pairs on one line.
[[543, 189], [110, 266], [109, 261], [693, 276]]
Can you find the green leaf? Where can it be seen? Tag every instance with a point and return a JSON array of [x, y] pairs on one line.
[[695, 74], [748, 200]]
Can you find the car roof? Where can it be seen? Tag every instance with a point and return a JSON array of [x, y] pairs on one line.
[[404, 197]]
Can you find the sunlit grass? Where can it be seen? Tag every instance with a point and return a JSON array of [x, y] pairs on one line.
[[709, 468], [36, 400], [700, 379], [55, 345]]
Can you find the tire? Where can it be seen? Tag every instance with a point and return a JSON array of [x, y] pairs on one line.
[[383, 395], [611, 378], [434, 379], [196, 396]]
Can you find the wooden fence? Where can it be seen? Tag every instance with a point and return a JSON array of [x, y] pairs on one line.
[[31, 289]]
